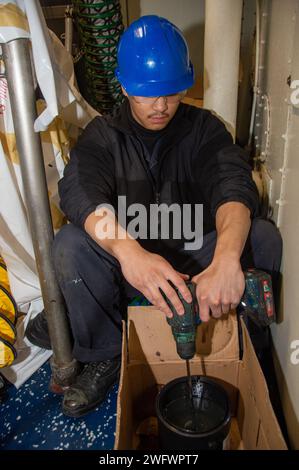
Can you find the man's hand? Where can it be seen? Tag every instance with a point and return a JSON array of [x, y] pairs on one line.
[[219, 288], [149, 272], [145, 271]]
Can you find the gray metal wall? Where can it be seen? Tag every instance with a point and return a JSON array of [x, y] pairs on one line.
[[278, 137]]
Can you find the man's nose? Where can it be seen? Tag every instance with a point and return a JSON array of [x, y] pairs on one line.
[[160, 104]]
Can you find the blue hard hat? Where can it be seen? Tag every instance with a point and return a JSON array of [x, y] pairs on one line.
[[153, 58]]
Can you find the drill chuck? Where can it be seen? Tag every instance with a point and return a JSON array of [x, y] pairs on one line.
[[185, 345]]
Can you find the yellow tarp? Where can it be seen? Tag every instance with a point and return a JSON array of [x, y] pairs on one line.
[[8, 319]]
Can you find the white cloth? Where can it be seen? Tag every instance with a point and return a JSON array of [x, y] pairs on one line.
[[54, 73]]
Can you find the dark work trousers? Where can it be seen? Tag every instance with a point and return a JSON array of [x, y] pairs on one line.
[[96, 293]]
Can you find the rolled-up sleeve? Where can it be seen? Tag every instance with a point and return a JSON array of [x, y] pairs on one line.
[[223, 170], [88, 178]]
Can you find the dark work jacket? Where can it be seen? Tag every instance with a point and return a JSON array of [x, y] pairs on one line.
[[197, 163]]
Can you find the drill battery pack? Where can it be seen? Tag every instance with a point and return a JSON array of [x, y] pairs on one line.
[[257, 301]]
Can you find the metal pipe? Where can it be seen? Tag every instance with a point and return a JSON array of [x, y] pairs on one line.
[[256, 90], [18, 71], [261, 52], [68, 23], [221, 57]]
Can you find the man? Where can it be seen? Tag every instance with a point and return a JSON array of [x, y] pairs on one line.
[[153, 150]]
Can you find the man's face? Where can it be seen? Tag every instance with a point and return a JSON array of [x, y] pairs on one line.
[[153, 114]]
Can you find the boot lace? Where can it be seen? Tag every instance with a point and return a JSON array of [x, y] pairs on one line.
[[94, 370]]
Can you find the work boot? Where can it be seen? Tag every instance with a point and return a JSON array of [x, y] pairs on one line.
[[91, 387], [37, 331], [3, 389]]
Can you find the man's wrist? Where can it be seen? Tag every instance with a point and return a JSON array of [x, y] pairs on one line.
[[231, 256], [123, 249]]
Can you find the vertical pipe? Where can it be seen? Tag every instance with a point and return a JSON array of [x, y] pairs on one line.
[[257, 129], [256, 90], [68, 24], [18, 71], [221, 58]]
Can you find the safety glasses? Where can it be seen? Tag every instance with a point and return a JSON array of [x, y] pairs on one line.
[[150, 100]]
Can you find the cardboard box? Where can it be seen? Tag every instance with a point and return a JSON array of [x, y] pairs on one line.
[[150, 360]]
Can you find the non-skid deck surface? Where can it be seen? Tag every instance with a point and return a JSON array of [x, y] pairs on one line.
[[31, 418]]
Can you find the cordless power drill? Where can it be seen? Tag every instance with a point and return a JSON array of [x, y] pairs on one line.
[[257, 302]]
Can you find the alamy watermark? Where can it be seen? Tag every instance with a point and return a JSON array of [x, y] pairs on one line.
[[295, 354], [153, 224], [295, 94]]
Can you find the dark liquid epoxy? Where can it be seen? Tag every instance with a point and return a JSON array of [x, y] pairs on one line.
[[181, 414], [194, 412]]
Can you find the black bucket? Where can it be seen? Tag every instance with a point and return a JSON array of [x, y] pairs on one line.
[[203, 424]]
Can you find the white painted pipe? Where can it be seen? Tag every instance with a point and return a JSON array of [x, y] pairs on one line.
[[256, 71], [221, 58]]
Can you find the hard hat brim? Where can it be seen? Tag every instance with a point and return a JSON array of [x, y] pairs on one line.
[[155, 88]]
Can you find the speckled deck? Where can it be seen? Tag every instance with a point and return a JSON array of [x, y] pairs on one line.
[[31, 418]]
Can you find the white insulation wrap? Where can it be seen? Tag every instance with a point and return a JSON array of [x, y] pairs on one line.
[[60, 116], [221, 59]]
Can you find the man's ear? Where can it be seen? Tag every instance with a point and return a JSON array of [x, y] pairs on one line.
[[124, 91]]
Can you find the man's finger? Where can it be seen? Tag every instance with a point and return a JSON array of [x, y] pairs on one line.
[[184, 276], [225, 308], [147, 293], [216, 310], [233, 306], [204, 309], [172, 297], [181, 286], [160, 303]]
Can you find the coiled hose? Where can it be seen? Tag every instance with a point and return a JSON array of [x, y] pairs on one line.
[[8, 320], [99, 25]]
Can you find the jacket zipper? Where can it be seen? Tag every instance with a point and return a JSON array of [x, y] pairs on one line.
[[155, 184], [147, 170]]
